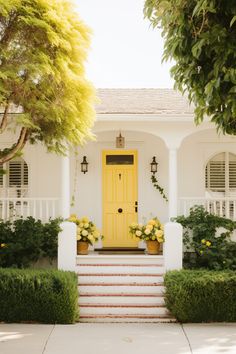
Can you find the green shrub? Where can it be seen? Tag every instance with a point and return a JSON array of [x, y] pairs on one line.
[[37, 295], [201, 296], [23, 241], [205, 247]]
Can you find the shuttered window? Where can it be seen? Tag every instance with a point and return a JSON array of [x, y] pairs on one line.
[[17, 173], [220, 174], [15, 179]]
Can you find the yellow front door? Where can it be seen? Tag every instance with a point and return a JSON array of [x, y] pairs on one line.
[[119, 197]]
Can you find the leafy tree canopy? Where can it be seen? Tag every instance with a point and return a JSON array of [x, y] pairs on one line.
[[200, 35], [43, 46]]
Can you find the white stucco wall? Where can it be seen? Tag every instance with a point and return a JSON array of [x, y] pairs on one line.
[[44, 168], [88, 197], [193, 154]]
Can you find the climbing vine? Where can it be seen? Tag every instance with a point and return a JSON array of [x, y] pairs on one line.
[[160, 189]]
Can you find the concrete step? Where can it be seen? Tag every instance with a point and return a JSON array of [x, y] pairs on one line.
[[120, 278], [117, 299], [124, 309], [139, 260], [120, 269], [121, 288], [129, 288]]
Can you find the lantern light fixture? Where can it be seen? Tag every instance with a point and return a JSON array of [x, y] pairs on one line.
[[84, 165], [153, 165]]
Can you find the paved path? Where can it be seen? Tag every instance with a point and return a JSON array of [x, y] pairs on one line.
[[118, 339]]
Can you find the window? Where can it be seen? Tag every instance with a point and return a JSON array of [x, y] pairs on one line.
[[15, 181], [120, 159], [220, 174]]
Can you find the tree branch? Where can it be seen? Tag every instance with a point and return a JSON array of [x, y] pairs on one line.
[[4, 118], [9, 154]]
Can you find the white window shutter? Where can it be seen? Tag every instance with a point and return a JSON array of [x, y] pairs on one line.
[[220, 174]]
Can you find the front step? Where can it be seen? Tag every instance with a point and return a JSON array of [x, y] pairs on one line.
[[126, 319], [121, 288]]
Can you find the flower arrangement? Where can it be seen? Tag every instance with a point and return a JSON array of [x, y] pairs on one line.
[[152, 231], [86, 229]]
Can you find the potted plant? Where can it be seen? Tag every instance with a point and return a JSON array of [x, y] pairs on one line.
[[87, 233], [152, 233]]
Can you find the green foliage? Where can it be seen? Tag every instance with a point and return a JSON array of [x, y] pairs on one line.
[[211, 249], [201, 296], [43, 47], [24, 241], [42, 296], [200, 36], [160, 189]]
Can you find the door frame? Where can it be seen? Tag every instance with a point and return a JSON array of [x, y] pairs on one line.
[[118, 152]]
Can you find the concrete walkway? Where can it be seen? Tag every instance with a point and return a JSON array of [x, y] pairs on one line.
[[118, 339]]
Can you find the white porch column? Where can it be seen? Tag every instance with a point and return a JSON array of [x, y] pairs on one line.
[[65, 187], [173, 183]]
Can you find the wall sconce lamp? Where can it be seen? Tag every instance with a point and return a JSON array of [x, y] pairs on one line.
[[84, 165], [153, 165]]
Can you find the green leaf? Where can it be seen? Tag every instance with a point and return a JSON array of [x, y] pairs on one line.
[[232, 21]]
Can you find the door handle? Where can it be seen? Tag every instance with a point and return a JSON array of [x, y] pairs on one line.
[[120, 210], [136, 207]]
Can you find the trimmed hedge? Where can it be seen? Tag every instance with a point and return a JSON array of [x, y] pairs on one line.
[[201, 296], [47, 296]]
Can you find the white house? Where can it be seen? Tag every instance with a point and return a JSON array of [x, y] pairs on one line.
[[196, 165]]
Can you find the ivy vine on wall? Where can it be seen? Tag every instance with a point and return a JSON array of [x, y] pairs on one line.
[[160, 189]]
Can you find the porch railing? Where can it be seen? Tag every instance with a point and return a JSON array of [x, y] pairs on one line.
[[39, 208], [225, 207]]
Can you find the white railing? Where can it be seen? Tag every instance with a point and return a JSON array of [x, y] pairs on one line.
[[225, 207], [14, 192], [39, 208]]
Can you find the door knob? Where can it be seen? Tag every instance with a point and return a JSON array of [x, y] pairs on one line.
[[120, 210]]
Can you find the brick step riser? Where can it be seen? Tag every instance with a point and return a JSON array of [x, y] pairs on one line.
[[123, 311], [115, 269], [127, 320], [129, 278]]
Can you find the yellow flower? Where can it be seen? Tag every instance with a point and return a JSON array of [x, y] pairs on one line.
[[81, 225], [138, 233], [201, 252], [208, 243], [160, 239], [78, 237], [96, 233], [84, 233], [134, 225], [91, 238], [85, 220], [147, 231], [3, 245], [149, 226], [72, 218], [86, 225], [152, 222], [153, 238], [159, 233], [162, 227], [203, 241]]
